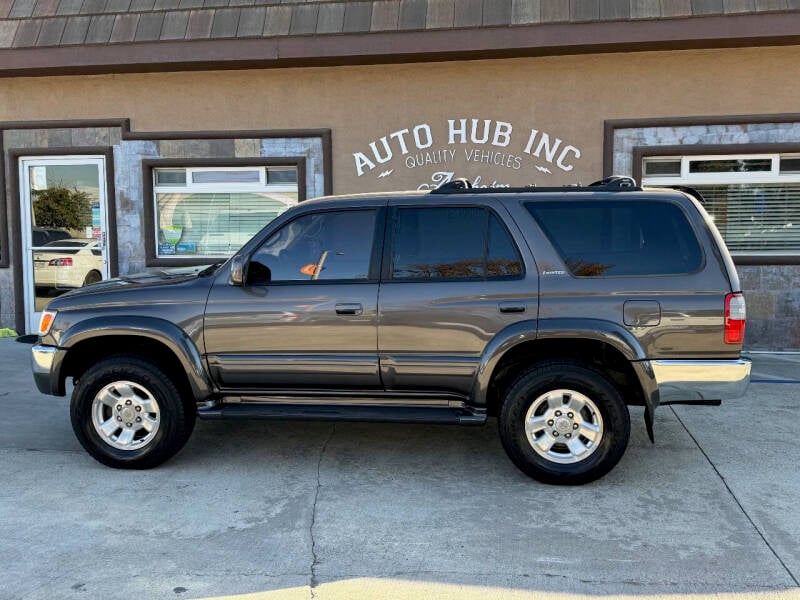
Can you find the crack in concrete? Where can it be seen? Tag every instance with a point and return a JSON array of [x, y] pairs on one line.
[[312, 578], [735, 499]]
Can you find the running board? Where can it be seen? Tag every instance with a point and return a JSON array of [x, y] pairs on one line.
[[306, 412]]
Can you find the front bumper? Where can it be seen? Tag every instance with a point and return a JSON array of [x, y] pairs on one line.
[[46, 362], [688, 381]]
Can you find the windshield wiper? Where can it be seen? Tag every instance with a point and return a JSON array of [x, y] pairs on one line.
[[211, 269]]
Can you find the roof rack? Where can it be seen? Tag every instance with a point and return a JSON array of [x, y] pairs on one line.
[[615, 183]]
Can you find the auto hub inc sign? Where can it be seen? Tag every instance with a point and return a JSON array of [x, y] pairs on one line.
[[491, 153]]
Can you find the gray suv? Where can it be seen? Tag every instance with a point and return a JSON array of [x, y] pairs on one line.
[[551, 309]]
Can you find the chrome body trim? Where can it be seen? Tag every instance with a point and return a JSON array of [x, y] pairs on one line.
[[700, 380], [42, 358]]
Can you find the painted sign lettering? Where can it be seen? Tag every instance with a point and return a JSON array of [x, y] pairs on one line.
[[462, 145]]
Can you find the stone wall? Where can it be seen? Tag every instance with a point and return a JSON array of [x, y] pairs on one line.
[[128, 179], [772, 294]]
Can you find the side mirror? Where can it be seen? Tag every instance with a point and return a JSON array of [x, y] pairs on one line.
[[237, 271]]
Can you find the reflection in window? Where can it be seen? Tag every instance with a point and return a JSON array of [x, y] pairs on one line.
[[452, 243], [504, 258], [619, 237], [320, 246], [65, 202]]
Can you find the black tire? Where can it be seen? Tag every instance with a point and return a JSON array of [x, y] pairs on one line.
[[92, 277], [176, 414], [585, 379]]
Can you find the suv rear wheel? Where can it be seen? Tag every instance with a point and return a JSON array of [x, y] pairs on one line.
[[127, 413], [564, 423]]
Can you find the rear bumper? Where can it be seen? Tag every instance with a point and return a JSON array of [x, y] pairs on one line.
[[686, 381], [45, 362]]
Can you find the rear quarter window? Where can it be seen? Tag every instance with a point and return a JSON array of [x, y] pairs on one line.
[[617, 237]]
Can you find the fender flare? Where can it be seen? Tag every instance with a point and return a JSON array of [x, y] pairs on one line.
[[601, 330], [160, 330]]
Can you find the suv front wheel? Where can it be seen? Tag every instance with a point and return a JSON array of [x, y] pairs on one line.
[[127, 413], [564, 423]]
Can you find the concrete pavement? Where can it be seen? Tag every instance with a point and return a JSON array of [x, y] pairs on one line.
[[299, 510]]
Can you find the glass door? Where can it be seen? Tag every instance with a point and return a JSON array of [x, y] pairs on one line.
[[63, 201]]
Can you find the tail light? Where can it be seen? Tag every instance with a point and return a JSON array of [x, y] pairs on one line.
[[60, 262], [735, 318]]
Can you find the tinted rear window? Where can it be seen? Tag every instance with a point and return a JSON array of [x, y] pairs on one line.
[[620, 237]]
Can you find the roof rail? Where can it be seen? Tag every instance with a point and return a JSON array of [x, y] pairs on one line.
[[615, 183]]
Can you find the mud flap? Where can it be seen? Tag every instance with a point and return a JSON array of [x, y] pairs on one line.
[[648, 422], [647, 379]]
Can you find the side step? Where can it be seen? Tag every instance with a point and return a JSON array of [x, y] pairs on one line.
[[306, 412]]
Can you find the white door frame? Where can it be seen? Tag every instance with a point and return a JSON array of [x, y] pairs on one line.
[[23, 162]]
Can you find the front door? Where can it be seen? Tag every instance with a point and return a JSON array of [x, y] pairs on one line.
[[306, 316], [63, 208]]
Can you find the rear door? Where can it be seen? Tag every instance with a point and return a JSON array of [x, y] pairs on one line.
[[454, 275]]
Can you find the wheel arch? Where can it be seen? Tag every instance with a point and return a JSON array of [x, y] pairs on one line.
[[87, 341], [89, 272], [591, 340]]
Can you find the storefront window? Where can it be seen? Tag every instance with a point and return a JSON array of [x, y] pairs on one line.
[[754, 200], [211, 212]]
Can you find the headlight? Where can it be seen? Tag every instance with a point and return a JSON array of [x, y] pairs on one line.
[[46, 322]]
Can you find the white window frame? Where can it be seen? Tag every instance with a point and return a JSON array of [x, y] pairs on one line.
[[203, 188], [686, 178], [209, 188]]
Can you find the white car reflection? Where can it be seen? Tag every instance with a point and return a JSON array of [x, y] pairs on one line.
[[71, 263]]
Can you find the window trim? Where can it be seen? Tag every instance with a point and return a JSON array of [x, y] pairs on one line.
[[639, 153], [387, 265], [149, 190], [373, 272]]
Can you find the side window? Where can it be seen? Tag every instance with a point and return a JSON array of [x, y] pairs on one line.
[[504, 259], [314, 247], [439, 243], [620, 238], [452, 243]]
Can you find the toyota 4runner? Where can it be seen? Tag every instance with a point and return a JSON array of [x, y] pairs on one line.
[[552, 309]]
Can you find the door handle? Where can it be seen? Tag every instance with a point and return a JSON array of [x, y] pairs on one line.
[[349, 308], [511, 307]]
